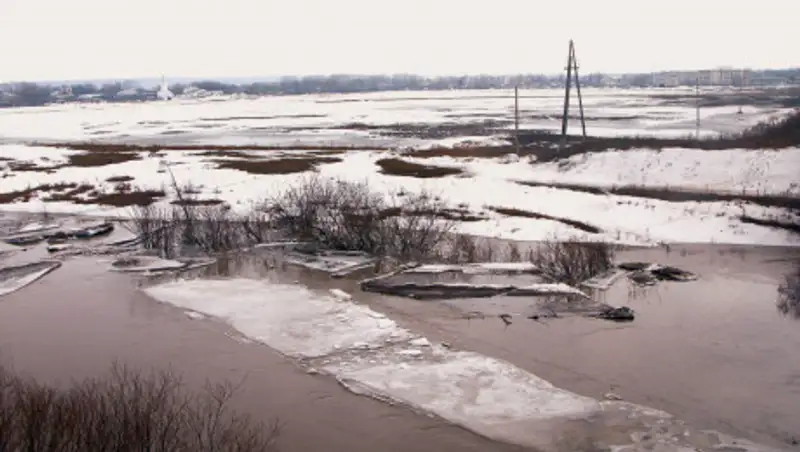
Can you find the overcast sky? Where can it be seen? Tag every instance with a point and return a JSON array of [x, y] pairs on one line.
[[75, 39]]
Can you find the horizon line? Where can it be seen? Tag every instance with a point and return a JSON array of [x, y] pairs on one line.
[[383, 74]]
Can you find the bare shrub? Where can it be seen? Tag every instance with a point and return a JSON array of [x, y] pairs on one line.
[[125, 411], [158, 227], [789, 294], [344, 215], [572, 262], [465, 249], [190, 222]]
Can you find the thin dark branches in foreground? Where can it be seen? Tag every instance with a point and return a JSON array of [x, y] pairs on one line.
[[125, 411]]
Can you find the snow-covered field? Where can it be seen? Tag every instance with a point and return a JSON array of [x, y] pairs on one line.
[[327, 120], [318, 119], [487, 183], [372, 355]]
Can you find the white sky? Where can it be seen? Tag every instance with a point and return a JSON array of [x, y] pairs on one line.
[[72, 39]]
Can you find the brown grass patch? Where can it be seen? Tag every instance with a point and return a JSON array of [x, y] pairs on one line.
[[483, 152], [277, 166], [135, 148], [28, 193], [444, 213], [85, 160], [399, 167], [114, 179], [17, 166], [511, 212], [241, 154], [125, 199], [70, 194], [92, 159], [198, 202], [787, 224]]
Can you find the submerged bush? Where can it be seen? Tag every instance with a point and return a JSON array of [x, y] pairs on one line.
[[572, 262], [125, 411], [343, 215], [211, 229]]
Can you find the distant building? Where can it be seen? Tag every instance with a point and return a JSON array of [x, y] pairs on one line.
[[163, 92], [667, 80]]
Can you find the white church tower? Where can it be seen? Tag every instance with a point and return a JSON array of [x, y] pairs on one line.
[[163, 92]]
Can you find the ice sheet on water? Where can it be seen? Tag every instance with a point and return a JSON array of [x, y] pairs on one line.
[[292, 319], [490, 396]]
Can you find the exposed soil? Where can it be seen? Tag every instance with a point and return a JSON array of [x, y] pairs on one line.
[[464, 152], [275, 166], [28, 193], [70, 194], [198, 202], [240, 154], [124, 199], [135, 148], [454, 214], [400, 167], [585, 227], [120, 179], [790, 223]]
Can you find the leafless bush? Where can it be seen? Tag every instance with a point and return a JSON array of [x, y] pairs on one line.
[[465, 249], [789, 294], [344, 215], [158, 227], [125, 411], [210, 228], [572, 262]]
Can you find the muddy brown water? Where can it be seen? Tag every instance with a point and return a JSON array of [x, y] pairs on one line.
[[714, 352]]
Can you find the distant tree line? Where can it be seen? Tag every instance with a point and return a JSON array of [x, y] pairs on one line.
[[32, 94]]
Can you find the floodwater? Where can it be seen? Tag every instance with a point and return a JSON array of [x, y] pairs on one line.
[[714, 352]]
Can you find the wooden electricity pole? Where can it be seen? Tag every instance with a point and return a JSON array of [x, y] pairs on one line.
[[572, 65]]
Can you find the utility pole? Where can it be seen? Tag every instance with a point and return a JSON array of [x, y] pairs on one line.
[[567, 86], [572, 65], [516, 117]]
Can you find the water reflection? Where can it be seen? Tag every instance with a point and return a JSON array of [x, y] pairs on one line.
[[789, 294]]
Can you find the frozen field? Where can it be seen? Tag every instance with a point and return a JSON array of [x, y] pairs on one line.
[[372, 119], [512, 198]]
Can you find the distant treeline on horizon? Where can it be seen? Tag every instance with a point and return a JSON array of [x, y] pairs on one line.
[[33, 94]]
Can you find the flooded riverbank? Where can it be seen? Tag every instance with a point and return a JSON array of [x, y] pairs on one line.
[[714, 352]]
